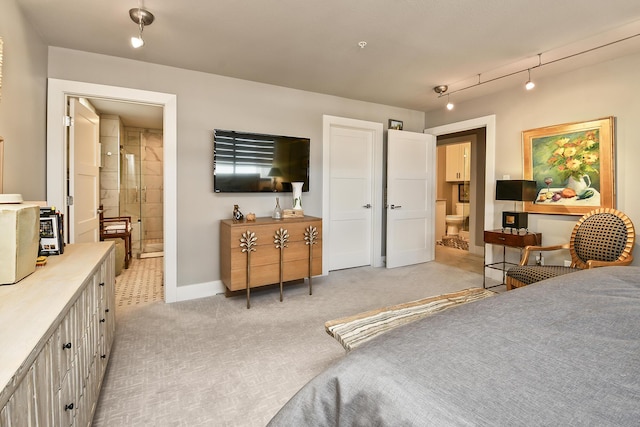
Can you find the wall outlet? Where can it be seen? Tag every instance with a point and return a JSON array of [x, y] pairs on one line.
[[539, 260], [567, 263]]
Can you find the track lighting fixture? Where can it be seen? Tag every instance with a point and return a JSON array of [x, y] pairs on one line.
[[141, 17], [441, 89]]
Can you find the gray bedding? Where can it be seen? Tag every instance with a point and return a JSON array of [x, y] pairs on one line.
[[563, 352]]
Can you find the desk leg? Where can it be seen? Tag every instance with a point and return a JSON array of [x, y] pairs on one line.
[[504, 265], [484, 267]]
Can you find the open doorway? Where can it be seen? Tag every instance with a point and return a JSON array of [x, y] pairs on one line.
[[131, 138], [57, 157], [460, 189], [488, 189]]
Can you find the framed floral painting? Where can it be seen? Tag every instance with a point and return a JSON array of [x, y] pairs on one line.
[[572, 165]]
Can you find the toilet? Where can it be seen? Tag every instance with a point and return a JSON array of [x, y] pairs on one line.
[[454, 222]]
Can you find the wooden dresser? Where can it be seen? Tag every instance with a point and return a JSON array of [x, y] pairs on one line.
[[57, 329], [265, 260]]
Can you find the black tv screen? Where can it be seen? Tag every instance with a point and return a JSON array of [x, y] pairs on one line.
[[246, 162]]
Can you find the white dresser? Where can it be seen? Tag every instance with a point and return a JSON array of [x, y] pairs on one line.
[[56, 330]]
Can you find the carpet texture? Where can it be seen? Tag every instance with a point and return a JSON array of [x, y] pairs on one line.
[[212, 362], [353, 331]]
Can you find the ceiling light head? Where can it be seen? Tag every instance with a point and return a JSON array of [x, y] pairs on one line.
[[137, 42], [449, 103], [529, 84], [440, 90], [362, 44], [141, 17]]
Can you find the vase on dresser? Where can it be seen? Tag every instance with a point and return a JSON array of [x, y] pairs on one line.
[[297, 195]]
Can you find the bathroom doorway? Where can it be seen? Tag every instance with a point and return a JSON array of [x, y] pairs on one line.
[[460, 190], [131, 178]]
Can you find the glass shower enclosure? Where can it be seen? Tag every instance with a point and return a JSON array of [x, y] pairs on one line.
[[141, 195]]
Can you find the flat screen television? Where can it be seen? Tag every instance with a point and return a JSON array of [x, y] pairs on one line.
[[246, 162]]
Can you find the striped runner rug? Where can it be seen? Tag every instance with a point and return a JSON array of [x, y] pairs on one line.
[[355, 330]]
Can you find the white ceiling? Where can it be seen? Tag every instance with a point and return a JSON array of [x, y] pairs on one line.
[[412, 45]]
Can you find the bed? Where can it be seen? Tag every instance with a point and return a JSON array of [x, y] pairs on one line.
[[565, 351]]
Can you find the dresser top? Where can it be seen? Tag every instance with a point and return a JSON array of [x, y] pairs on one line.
[[268, 220], [31, 308]]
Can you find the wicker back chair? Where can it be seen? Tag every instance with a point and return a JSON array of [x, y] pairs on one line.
[[602, 237]]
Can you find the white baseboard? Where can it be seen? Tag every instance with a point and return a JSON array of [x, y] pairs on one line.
[[200, 290]]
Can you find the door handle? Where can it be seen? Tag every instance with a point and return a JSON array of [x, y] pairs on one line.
[[396, 206], [368, 206]]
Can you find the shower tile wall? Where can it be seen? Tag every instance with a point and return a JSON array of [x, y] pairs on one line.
[[152, 167]]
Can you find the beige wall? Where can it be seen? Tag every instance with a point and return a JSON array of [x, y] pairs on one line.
[[606, 89], [23, 105], [206, 102]]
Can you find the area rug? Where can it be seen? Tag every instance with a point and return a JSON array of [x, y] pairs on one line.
[[355, 330]]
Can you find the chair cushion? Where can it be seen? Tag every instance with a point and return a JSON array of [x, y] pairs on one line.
[[528, 274]]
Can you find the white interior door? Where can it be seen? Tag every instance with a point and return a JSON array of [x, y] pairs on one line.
[[411, 167], [84, 173], [350, 197], [351, 186]]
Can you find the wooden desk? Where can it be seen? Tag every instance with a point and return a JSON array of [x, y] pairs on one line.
[[515, 239]]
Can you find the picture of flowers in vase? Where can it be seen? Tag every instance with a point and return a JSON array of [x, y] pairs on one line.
[[572, 162], [573, 166]]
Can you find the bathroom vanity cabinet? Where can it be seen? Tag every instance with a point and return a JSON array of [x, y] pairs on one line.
[[458, 162]]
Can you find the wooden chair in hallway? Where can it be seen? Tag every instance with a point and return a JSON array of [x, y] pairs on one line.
[[117, 228], [602, 237]]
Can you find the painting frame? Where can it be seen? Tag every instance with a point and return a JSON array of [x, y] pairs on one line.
[[395, 124], [573, 166]]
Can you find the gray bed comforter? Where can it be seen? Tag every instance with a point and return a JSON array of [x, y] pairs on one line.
[[563, 352]]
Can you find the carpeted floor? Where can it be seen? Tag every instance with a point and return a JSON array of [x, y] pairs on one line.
[[212, 362]]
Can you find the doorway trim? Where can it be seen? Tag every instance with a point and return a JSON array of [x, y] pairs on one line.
[[489, 123], [376, 230], [57, 93]]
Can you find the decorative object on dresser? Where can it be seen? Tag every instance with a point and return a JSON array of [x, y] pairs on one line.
[[603, 237], [517, 190], [277, 211], [57, 349], [19, 228], [266, 261], [237, 215], [297, 195]]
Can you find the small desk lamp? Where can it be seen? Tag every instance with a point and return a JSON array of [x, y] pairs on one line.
[[517, 190]]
